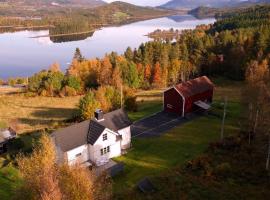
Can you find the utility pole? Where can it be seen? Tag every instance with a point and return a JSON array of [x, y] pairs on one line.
[[223, 119], [121, 95], [268, 155]]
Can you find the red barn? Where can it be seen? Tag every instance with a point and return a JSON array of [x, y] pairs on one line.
[[189, 96]]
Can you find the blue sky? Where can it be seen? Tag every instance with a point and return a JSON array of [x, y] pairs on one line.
[[143, 2]]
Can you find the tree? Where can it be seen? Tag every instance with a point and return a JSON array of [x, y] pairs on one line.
[[105, 72], [76, 183], [44, 179], [116, 77], [73, 82], [55, 67], [129, 54], [156, 80], [147, 73], [53, 83], [88, 105], [78, 56], [39, 172]]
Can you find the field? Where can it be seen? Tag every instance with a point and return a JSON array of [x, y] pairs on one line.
[[34, 113], [148, 157]]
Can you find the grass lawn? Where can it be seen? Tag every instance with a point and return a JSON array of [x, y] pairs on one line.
[[145, 108], [9, 180]]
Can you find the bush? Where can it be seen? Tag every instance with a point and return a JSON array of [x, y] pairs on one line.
[[68, 91], [87, 105], [131, 104], [223, 169], [200, 166]]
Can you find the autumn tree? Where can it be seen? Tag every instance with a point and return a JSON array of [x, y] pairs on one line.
[[147, 72], [87, 105], [116, 77], [105, 71], [39, 172], [156, 80], [44, 179], [55, 67], [76, 183]]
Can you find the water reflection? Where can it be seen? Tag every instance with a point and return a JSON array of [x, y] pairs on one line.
[[23, 55]]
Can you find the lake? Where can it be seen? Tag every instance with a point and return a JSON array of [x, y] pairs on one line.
[[23, 53]]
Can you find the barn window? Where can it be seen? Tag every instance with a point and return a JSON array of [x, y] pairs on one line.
[[170, 106], [105, 136]]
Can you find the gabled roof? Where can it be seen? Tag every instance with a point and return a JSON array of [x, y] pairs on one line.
[[116, 120], [89, 131], [72, 137], [94, 132], [195, 86], [6, 135]]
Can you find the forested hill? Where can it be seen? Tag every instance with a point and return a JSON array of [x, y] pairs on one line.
[[196, 3], [54, 2], [246, 18], [224, 4]]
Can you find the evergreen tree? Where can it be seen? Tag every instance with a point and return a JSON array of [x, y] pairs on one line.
[[78, 56]]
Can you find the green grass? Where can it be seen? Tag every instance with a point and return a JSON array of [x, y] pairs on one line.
[[9, 181], [145, 108], [151, 156]]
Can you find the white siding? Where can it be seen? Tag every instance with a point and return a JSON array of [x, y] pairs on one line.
[[115, 147], [74, 157], [126, 137]]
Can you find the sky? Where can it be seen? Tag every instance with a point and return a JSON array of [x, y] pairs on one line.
[[143, 2]]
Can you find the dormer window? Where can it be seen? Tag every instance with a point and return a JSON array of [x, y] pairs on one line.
[[105, 136]]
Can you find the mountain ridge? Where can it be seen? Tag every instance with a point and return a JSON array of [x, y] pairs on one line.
[[55, 2]]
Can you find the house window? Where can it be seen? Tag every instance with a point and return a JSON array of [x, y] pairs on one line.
[[77, 155], [105, 150], [105, 136]]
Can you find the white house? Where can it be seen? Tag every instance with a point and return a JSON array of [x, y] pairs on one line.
[[94, 141]]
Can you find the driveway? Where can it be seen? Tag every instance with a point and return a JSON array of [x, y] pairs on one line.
[[156, 124]]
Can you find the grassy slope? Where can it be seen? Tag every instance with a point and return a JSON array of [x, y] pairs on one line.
[[151, 156]]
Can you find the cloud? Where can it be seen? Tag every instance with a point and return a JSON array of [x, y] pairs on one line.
[[143, 2]]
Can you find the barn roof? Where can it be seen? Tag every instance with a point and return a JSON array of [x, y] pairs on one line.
[[195, 86]]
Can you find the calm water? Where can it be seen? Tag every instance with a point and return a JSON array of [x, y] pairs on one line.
[[21, 55]]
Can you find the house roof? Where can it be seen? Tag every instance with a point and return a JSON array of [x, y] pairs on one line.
[[6, 135], [116, 120], [89, 131], [94, 132], [72, 137], [195, 86]]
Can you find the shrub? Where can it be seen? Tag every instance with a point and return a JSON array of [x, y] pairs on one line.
[[223, 169], [87, 105], [131, 104], [68, 91], [11, 82]]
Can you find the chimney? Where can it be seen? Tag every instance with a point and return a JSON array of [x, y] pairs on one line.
[[99, 115]]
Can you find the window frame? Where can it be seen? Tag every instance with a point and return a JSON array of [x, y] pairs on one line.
[[105, 136]]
